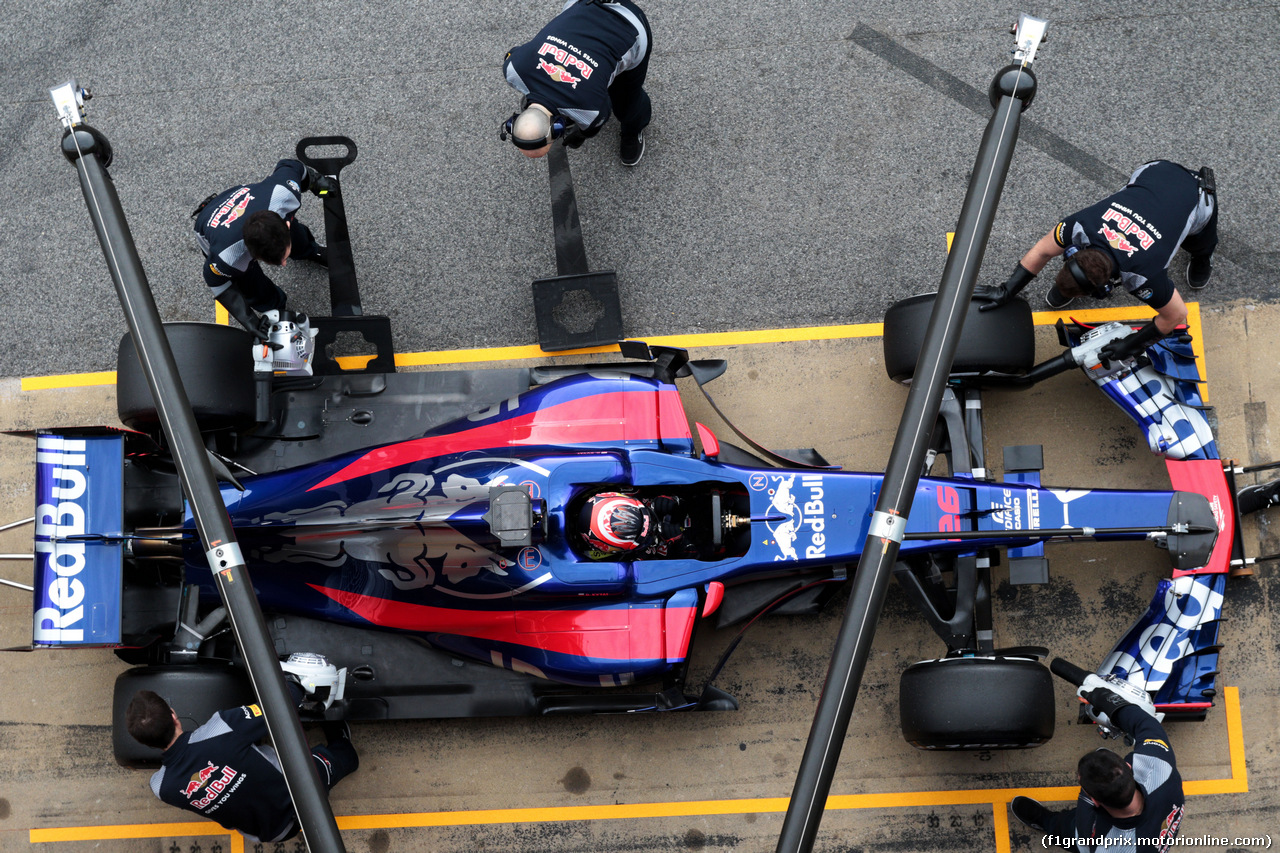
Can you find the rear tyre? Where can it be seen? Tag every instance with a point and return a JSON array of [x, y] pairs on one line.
[[976, 703], [1000, 342], [195, 691], [215, 364]]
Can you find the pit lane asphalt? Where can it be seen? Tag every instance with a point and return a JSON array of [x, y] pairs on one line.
[[804, 160]]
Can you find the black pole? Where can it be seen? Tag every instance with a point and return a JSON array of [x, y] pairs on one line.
[[1012, 89], [571, 252], [81, 145]]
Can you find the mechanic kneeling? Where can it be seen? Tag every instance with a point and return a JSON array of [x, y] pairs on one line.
[[220, 770], [241, 228], [1124, 803]]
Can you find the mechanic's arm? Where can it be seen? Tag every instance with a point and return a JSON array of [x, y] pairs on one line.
[[1149, 737], [247, 720], [237, 306], [1172, 314], [993, 296], [1045, 249]]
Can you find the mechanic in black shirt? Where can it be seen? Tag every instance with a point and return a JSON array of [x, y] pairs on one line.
[[250, 224], [1126, 804], [1129, 238], [221, 772], [591, 58]]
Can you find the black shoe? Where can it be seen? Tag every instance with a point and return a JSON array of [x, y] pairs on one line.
[[335, 730], [632, 149], [1030, 812], [1056, 300], [320, 257], [1198, 272], [1253, 498]]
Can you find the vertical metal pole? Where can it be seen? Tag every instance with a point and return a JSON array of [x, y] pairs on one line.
[[906, 461], [81, 146]]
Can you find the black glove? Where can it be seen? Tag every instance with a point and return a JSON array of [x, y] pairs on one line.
[[996, 295], [574, 137], [320, 185], [233, 300], [1131, 345]]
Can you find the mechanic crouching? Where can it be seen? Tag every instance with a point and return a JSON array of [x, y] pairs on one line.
[[248, 225], [1128, 804], [590, 60], [220, 770], [1128, 239]]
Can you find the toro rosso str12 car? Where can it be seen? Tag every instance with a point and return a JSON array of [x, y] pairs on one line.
[[453, 570]]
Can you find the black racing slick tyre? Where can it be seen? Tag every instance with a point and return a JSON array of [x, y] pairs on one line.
[[1000, 342], [976, 703], [195, 691], [215, 364]]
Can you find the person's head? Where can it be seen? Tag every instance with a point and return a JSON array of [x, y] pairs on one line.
[[1085, 272], [531, 131], [614, 522], [151, 721], [267, 237], [1107, 778]]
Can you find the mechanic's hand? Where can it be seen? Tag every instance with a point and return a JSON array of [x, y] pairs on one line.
[[574, 137], [992, 296], [1101, 697], [320, 185], [263, 333], [1122, 348], [323, 185], [1001, 294]]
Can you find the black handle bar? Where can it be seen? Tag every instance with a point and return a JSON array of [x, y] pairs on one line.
[[1068, 671], [327, 165]]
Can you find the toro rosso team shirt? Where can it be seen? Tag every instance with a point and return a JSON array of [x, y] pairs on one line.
[[570, 64], [220, 772], [1156, 773], [1140, 227], [220, 223]]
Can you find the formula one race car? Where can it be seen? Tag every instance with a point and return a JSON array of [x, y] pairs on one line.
[[462, 561]]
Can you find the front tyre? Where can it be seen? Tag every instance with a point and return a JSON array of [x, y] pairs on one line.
[[976, 703]]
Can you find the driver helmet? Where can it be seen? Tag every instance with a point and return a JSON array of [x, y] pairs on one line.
[[614, 522]]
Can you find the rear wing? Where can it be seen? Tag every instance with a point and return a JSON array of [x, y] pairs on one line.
[[79, 540]]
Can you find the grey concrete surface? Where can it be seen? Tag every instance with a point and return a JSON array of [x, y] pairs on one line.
[[804, 163]]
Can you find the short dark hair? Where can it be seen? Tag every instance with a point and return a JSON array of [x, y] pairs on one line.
[[150, 720], [266, 237], [1094, 263], [1107, 778]]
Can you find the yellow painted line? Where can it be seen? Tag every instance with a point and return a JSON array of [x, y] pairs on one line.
[[997, 798], [709, 339], [68, 380]]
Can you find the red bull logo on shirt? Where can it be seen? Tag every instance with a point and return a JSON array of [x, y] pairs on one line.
[[231, 209], [557, 73], [565, 58], [198, 779], [1125, 227]]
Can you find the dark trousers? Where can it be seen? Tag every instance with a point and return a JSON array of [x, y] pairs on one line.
[[335, 761], [1202, 245], [629, 100]]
